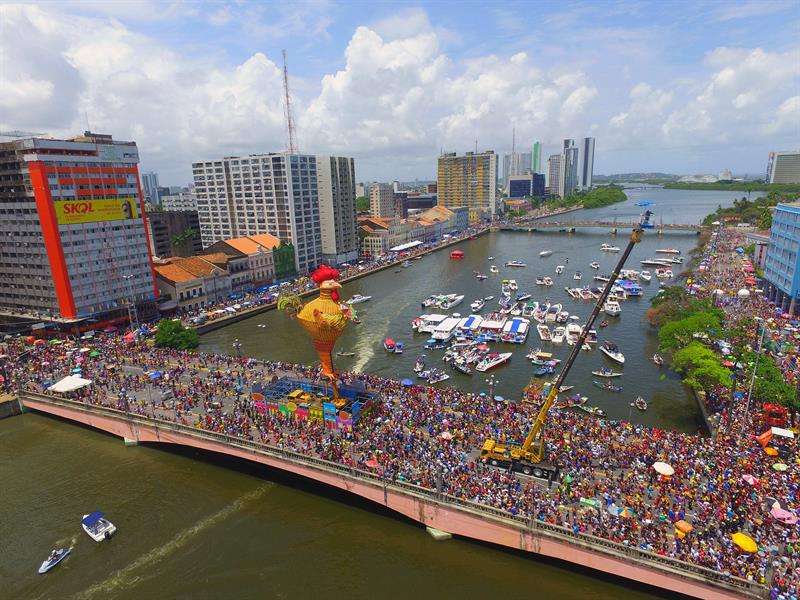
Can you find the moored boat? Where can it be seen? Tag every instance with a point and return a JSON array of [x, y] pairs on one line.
[[516, 263], [645, 276], [607, 386], [668, 251], [613, 352], [357, 299], [612, 308], [639, 403], [492, 360], [609, 248], [477, 305], [592, 410], [578, 276], [559, 334], [559, 269], [594, 264], [389, 344], [606, 372], [658, 359], [494, 269], [545, 253], [544, 333]]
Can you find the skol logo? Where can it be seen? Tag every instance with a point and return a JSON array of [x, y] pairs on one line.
[[77, 208]]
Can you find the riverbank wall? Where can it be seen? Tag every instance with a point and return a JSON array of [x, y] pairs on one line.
[[9, 406], [427, 507], [251, 312]]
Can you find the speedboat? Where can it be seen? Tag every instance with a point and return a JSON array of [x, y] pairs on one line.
[[548, 282], [562, 317], [559, 334], [654, 262], [612, 351], [664, 273], [97, 526], [658, 359], [607, 386], [358, 299], [512, 285], [612, 308], [577, 276], [448, 301], [552, 313], [389, 344], [419, 365], [609, 248], [639, 403], [559, 269], [430, 301], [545, 253], [480, 276], [490, 258], [56, 556], [494, 269], [523, 297], [544, 333], [477, 305], [435, 376], [516, 263], [492, 360], [668, 251], [606, 372], [594, 264], [645, 276]]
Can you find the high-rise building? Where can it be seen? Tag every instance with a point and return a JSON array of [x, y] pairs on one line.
[[174, 233], [469, 181], [555, 175], [336, 186], [150, 188], [536, 158], [569, 171], [782, 265], [587, 163], [361, 190], [525, 163], [381, 200], [181, 199], [784, 167], [274, 193], [73, 235]]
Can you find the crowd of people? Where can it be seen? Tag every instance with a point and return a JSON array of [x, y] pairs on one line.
[[722, 485]]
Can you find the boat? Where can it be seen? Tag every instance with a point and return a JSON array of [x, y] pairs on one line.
[[540, 281], [56, 556], [613, 352], [470, 324], [645, 276], [603, 323], [436, 375], [538, 357], [654, 262], [548, 282], [427, 323], [515, 331], [398, 347], [543, 370], [607, 386], [481, 276], [631, 288], [606, 372], [487, 298], [559, 335], [544, 333], [490, 258], [512, 285], [388, 344], [552, 313], [609, 248], [545, 253], [668, 251], [445, 330], [430, 301], [448, 301], [494, 269], [523, 297], [664, 273], [578, 276], [612, 308], [594, 264], [358, 299], [639, 403], [603, 278], [457, 254], [529, 309], [586, 294], [658, 359], [345, 354], [419, 365], [516, 263], [575, 401], [462, 366], [492, 360], [629, 274], [477, 305], [406, 264], [97, 526], [559, 269], [562, 317], [592, 410]]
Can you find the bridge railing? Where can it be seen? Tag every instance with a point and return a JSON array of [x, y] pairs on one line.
[[673, 565]]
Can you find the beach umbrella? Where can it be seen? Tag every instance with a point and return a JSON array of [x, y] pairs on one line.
[[407, 383], [780, 467], [626, 513], [745, 542], [782, 515], [683, 526], [446, 435], [770, 451], [372, 463], [155, 375], [750, 479], [94, 354], [663, 468], [743, 293]]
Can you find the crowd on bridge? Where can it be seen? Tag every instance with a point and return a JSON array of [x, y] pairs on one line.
[[428, 436]]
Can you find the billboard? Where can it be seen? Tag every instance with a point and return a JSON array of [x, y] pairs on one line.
[[93, 210]]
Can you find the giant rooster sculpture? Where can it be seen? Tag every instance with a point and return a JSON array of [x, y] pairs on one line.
[[323, 318]]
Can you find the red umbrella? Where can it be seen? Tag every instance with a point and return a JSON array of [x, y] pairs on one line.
[[372, 463]]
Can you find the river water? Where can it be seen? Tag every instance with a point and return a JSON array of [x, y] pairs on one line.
[[192, 526]]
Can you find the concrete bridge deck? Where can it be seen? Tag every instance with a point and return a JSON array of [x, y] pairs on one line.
[[536, 225], [427, 507]]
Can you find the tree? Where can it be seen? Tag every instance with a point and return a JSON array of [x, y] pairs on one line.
[[701, 366], [679, 333], [362, 204], [172, 334]]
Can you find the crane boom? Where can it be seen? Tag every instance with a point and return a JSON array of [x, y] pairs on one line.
[[533, 447]]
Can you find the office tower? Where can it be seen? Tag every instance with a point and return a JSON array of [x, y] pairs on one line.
[[174, 233], [569, 171], [180, 199], [275, 193], [536, 158], [784, 167], [555, 176], [381, 200], [150, 188], [587, 163], [73, 240], [336, 186], [525, 163], [782, 265], [469, 181]]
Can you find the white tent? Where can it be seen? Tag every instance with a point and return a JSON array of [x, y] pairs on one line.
[[743, 293], [70, 383]]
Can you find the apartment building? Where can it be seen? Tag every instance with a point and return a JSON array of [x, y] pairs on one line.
[[381, 200], [336, 188], [469, 181]]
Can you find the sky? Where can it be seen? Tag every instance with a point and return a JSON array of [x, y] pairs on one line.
[[679, 87]]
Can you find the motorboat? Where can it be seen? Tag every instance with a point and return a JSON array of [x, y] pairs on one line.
[[541, 311], [436, 375], [477, 305], [654, 262], [559, 334], [631, 288], [512, 285], [389, 344], [586, 294], [523, 297], [658, 359], [529, 309], [461, 366], [612, 351], [345, 354], [430, 301], [559, 269], [548, 282], [668, 251], [490, 258], [673, 260], [543, 370], [516, 263], [358, 299], [545, 253], [55, 557], [544, 333], [419, 365], [540, 281], [639, 403], [562, 317], [448, 301], [97, 526], [481, 276], [552, 313], [664, 273], [494, 269], [629, 274], [592, 410], [573, 333], [609, 248], [607, 386], [399, 347], [492, 360], [606, 372], [612, 308], [515, 331], [578, 276], [645, 276], [575, 293], [603, 278], [487, 298]]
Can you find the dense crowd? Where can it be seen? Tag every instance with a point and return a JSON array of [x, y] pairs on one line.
[[428, 436]]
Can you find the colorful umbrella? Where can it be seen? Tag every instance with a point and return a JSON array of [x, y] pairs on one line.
[[782, 515], [750, 479], [372, 463], [771, 451], [745, 542], [683, 526], [627, 513], [663, 468], [780, 467]]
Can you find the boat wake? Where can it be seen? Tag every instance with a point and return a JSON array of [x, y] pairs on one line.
[[129, 575]]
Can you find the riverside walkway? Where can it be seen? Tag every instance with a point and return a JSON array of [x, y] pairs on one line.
[[571, 226], [423, 505]]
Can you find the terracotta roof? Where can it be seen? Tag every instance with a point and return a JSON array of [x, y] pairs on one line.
[[266, 240], [437, 213], [173, 273], [243, 244], [196, 265], [220, 259]]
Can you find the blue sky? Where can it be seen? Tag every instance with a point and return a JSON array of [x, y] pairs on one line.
[[671, 86]]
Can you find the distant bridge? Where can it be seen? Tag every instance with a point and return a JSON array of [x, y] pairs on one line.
[[614, 226]]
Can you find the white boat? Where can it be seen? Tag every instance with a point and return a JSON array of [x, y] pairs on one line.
[[494, 269], [445, 330], [545, 253], [645, 276], [435, 376], [548, 282], [606, 372], [578, 276], [512, 285], [490, 258], [97, 526], [664, 273], [427, 323], [56, 556], [594, 264], [562, 317], [529, 309], [516, 263], [609, 248], [552, 313], [573, 333], [654, 262], [358, 299], [471, 323], [544, 333], [603, 278], [612, 308], [668, 251], [448, 301], [559, 335], [611, 350], [540, 281], [492, 360], [515, 331], [478, 305], [559, 269], [574, 293]]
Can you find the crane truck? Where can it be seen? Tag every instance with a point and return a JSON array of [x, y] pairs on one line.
[[529, 458]]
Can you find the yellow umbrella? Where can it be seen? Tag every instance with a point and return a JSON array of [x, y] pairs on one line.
[[683, 526], [745, 542], [771, 451]]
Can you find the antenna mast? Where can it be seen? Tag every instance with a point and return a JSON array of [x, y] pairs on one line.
[[287, 104]]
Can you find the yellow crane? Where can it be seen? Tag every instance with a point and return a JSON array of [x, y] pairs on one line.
[[529, 458]]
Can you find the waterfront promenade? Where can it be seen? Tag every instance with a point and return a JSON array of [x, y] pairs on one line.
[[427, 507]]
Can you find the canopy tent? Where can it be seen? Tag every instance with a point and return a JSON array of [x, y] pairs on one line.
[[663, 468], [70, 383], [407, 246]]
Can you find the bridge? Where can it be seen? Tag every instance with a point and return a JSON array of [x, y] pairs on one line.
[[614, 226], [428, 507]]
